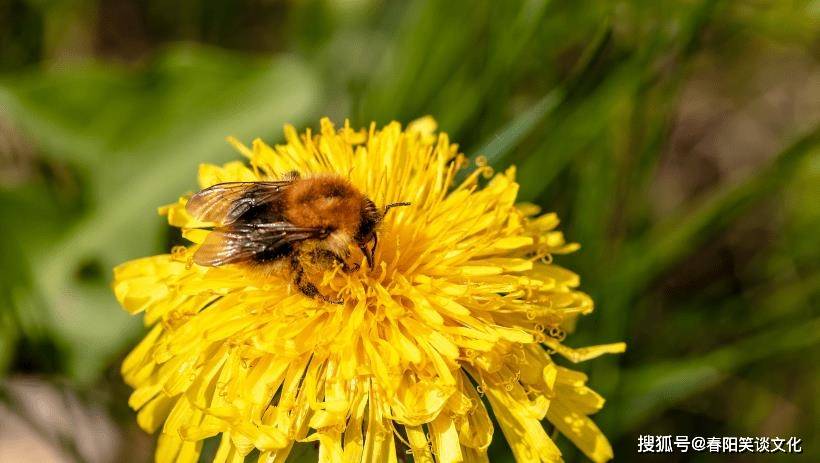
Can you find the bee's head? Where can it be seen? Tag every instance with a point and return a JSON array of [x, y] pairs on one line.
[[370, 220]]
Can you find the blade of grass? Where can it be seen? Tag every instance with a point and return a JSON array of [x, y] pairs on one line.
[[424, 53], [669, 241], [681, 234], [502, 143], [651, 388]]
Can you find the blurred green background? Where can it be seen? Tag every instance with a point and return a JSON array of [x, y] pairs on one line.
[[678, 140]]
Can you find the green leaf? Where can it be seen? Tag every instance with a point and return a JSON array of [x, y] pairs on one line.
[[138, 138]]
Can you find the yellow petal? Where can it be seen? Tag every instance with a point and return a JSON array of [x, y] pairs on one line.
[[583, 354], [445, 440], [581, 431]]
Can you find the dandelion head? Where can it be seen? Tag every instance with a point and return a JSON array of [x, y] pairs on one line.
[[460, 316]]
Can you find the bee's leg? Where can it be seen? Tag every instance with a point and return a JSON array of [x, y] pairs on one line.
[[307, 288], [345, 267], [350, 268], [326, 256]]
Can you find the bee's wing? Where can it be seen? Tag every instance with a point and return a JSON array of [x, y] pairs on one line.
[[224, 203], [238, 243]]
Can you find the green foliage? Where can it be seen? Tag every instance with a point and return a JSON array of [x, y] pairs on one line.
[[132, 141], [713, 290]]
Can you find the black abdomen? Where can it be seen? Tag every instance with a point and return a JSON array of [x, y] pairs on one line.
[[267, 213], [271, 255]]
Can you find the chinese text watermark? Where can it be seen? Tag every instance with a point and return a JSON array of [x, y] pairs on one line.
[[684, 444]]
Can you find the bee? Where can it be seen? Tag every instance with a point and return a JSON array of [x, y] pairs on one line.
[[288, 225]]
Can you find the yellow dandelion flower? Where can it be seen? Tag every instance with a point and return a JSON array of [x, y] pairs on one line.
[[461, 313]]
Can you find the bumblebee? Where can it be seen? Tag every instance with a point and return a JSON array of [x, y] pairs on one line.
[[288, 225]]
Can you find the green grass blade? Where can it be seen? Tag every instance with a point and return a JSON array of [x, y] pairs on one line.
[[681, 234], [501, 144], [647, 390]]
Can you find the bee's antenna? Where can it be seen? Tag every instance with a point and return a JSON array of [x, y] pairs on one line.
[[392, 205]]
